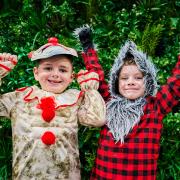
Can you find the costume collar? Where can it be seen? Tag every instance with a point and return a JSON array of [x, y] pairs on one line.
[[67, 98]]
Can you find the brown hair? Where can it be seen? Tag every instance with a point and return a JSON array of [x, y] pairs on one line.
[[129, 61]]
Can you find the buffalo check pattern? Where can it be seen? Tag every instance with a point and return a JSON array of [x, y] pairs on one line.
[[136, 159]]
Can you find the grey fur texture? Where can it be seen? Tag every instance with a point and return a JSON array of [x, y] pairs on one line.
[[124, 114], [144, 64]]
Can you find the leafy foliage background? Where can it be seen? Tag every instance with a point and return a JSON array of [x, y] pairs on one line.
[[153, 24]]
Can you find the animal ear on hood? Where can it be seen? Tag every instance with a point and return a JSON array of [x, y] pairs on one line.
[[144, 63]]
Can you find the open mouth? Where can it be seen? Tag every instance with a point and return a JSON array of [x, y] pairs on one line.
[[54, 82]]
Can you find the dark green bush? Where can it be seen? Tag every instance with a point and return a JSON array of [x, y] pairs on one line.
[[153, 25]]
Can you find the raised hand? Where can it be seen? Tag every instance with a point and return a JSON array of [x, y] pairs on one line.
[[88, 80], [7, 62], [85, 36]]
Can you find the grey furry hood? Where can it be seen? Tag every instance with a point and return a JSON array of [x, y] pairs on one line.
[[144, 64], [123, 114]]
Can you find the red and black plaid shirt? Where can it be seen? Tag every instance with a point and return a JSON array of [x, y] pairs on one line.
[[136, 159]]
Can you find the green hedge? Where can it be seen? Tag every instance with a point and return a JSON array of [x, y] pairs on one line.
[[154, 25]]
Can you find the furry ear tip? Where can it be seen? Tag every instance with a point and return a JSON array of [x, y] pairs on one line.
[[131, 44]]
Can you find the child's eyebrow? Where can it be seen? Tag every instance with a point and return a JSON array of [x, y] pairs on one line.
[[61, 66], [47, 63], [126, 74], [64, 66]]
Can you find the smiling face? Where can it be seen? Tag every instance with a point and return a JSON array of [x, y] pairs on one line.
[[54, 74], [131, 82]]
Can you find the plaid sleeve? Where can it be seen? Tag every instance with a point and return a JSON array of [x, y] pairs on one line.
[[169, 94], [92, 64]]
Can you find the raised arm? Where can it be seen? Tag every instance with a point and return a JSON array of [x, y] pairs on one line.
[[92, 110], [169, 95], [90, 58], [7, 62]]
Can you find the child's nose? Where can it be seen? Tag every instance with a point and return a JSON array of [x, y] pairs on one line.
[[130, 81], [55, 73]]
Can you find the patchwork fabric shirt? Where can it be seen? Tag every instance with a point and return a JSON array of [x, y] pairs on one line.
[[137, 157], [44, 130]]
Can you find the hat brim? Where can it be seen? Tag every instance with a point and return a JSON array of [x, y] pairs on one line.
[[52, 51]]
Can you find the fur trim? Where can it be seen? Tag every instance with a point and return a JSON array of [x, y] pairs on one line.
[[144, 64], [84, 27], [124, 114], [78, 30]]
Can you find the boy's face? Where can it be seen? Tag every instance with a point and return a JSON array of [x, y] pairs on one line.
[[131, 82], [54, 74]]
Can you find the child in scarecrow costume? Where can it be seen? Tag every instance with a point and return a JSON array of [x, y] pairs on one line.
[[129, 142], [45, 120]]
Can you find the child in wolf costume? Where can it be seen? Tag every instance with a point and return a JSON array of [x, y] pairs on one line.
[[129, 142]]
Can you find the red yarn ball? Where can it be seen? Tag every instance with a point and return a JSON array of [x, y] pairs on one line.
[[48, 138], [47, 105], [30, 55], [53, 40], [48, 115]]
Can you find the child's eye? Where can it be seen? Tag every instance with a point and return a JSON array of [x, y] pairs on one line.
[[47, 68], [123, 78], [139, 78], [62, 70]]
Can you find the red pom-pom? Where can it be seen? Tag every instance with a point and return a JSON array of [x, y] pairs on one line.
[[53, 40], [48, 115], [30, 55], [48, 138], [47, 105]]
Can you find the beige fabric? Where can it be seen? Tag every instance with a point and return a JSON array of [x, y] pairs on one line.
[[88, 80], [3, 71], [32, 159], [49, 50]]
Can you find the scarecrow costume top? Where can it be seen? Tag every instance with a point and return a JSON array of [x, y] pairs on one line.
[[129, 143], [45, 125]]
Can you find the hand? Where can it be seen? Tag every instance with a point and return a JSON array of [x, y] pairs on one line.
[[7, 62], [85, 37], [88, 80]]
